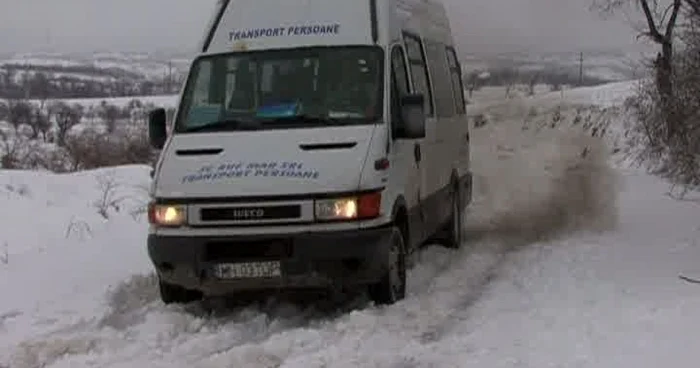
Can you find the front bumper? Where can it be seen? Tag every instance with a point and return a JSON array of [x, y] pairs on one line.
[[308, 260]]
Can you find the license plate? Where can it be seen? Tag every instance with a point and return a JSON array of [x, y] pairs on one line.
[[248, 270]]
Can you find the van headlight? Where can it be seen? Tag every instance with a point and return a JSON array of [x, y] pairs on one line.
[[167, 215], [360, 207]]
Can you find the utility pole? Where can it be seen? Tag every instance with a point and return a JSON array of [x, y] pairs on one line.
[[580, 69]]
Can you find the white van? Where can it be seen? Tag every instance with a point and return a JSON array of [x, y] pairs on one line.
[[315, 148]]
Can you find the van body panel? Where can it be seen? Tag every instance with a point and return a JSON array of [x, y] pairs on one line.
[[264, 163]]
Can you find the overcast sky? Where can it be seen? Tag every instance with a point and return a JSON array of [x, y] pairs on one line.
[[140, 25]]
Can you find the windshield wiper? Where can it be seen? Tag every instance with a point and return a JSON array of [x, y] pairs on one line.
[[303, 120], [225, 125]]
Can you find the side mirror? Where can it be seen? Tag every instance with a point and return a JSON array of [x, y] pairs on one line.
[[412, 116], [157, 133]]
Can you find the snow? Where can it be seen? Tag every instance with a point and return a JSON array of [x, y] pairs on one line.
[[165, 101], [19, 76], [570, 262], [39, 61], [144, 66], [614, 94]]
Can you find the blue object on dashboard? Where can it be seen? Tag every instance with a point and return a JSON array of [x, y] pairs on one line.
[[278, 110], [203, 115]]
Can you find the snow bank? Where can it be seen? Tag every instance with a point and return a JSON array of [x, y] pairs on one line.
[[66, 240]]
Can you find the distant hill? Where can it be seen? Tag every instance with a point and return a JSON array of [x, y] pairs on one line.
[[38, 75], [118, 74], [598, 66]]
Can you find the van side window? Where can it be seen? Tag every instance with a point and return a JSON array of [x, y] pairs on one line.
[[419, 70], [457, 83], [399, 83], [441, 79]]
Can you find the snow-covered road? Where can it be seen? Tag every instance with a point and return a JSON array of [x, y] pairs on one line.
[[569, 264]]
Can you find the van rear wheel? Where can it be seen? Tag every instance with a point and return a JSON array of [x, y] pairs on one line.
[[392, 286], [455, 228]]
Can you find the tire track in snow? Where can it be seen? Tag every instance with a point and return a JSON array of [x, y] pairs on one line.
[[478, 283], [461, 308]]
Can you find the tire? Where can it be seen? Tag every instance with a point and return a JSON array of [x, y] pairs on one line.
[[173, 294], [392, 286], [455, 228]]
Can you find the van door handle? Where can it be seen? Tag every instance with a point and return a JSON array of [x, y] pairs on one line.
[[199, 152], [416, 152]]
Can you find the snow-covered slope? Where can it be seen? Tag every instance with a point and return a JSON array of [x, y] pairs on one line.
[[570, 263], [605, 65], [165, 101], [140, 65]]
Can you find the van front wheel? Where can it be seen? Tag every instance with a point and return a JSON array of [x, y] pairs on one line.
[[392, 286]]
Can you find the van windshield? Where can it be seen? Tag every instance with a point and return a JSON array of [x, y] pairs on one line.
[[280, 89]]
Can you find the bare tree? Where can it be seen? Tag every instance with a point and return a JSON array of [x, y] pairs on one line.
[[40, 124], [40, 88], [693, 8], [109, 114], [661, 20], [4, 111], [20, 114], [677, 155], [66, 118], [9, 151], [532, 83], [471, 81], [510, 78], [108, 200]]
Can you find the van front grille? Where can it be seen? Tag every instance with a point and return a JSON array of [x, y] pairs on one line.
[[250, 213]]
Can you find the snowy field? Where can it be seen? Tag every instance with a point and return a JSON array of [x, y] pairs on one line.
[[146, 66], [165, 101], [573, 260]]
